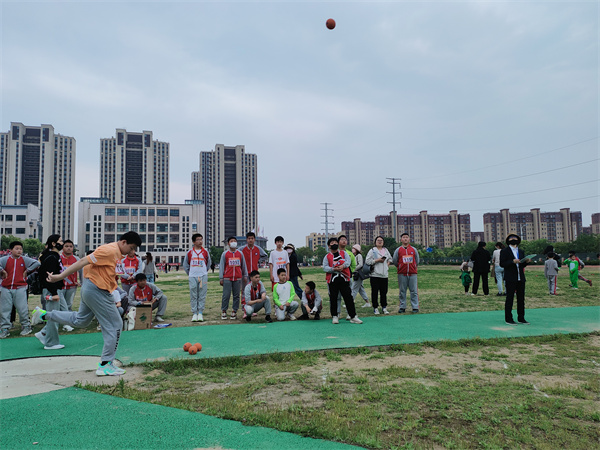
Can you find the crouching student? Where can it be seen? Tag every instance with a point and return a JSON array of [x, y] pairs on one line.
[[311, 302], [283, 296], [255, 298], [144, 293], [121, 300]]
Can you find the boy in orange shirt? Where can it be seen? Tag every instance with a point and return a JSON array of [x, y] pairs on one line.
[[96, 298]]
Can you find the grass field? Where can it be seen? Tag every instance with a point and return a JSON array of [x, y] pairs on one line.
[[537, 392]]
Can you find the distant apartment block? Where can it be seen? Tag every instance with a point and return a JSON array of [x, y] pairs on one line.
[[595, 223], [442, 230], [560, 226], [134, 168], [165, 229], [21, 221], [227, 183], [37, 167], [314, 240]]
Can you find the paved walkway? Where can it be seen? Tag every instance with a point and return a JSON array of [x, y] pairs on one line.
[[40, 418]]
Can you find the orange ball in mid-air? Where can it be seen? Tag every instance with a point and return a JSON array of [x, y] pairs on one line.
[[193, 350], [330, 24], [186, 346], [198, 346]]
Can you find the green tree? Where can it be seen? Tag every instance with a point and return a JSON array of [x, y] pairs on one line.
[[6, 240], [304, 254], [320, 253], [215, 254], [33, 247]]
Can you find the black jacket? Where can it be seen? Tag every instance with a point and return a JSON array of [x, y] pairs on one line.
[[50, 263], [294, 270], [481, 260], [510, 268]]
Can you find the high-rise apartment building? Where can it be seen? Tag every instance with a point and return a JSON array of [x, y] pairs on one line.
[[37, 166], [595, 227], [134, 168], [227, 183]]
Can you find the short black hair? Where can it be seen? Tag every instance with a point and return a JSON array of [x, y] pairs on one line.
[[481, 244], [231, 238], [311, 285], [403, 234], [279, 238], [254, 272], [196, 235], [572, 252], [281, 270], [13, 244], [140, 277], [332, 239], [131, 237], [342, 236], [68, 241], [250, 234]]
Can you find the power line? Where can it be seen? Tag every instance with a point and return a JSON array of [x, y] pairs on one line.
[[393, 202], [326, 216], [508, 179]]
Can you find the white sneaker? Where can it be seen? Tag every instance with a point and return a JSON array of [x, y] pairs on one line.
[[109, 369], [376, 311], [41, 337], [366, 305], [335, 320], [195, 318], [200, 318], [68, 328], [54, 347], [159, 319], [291, 317], [35, 316], [385, 311], [356, 320], [348, 317]]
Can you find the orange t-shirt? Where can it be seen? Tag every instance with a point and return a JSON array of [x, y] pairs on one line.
[[104, 261]]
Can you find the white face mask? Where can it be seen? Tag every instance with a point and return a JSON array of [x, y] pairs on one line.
[[289, 250], [233, 244]]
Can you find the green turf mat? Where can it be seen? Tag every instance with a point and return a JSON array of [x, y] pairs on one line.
[[259, 338], [76, 418]]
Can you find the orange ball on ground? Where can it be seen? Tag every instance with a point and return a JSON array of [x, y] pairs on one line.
[[186, 346], [193, 350], [198, 346]]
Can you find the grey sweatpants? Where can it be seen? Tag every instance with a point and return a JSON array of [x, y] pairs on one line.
[[99, 303], [229, 287], [18, 298], [551, 284], [281, 313], [408, 282], [160, 305], [50, 331], [198, 289], [67, 296], [356, 286], [251, 309], [127, 287]]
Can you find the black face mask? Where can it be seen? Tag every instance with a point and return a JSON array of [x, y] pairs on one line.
[[58, 246], [334, 247], [513, 242]]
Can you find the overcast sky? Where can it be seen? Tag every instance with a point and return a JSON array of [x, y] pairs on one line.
[[476, 106]]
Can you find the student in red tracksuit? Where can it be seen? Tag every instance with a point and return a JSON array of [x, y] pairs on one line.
[[232, 271], [406, 259], [253, 254], [131, 265]]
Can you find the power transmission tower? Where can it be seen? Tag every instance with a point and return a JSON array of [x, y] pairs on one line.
[[327, 223], [394, 182]]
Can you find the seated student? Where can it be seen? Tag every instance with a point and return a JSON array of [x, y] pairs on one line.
[[255, 298], [144, 293], [121, 300], [311, 302], [283, 296]]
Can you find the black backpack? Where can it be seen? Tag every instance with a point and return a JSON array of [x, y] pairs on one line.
[[33, 283]]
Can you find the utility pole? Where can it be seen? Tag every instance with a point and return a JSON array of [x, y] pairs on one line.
[[394, 182], [326, 223]]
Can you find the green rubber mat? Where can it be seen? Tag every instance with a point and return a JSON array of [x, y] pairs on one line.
[[260, 338], [78, 419]]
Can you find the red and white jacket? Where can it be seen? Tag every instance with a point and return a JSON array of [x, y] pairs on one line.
[[253, 256], [232, 266], [17, 270], [71, 280], [130, 267], [406, 259], [330, 262], [196, 262]]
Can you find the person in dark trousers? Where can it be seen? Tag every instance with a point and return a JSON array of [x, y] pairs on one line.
[[511, 258], [294, 270], [481, 268]]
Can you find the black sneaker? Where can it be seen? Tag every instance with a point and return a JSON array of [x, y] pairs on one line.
[[511, 322], [268, 319], [303, 317], [248, 317], [523, 322], [499, 294], [401, 311], [317, 316], [415, 311]]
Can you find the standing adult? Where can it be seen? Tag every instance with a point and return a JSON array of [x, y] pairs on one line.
[[481, 268], [148, 268], [498, 269], [356, 285], [406, 259], [295, 272], [511, 259], [379, 258]]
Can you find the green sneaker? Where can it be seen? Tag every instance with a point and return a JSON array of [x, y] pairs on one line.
[[36, 317], [109, 369]]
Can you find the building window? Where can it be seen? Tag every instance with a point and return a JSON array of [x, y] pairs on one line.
[[174, 213], [109, 211], [134, 212], [122, 227], [20, 230], [151, 212], [123, 212], [162, 212], [143, 212], [21, 218], [162, 227]]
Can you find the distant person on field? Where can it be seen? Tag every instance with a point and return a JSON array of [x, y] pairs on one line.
[[14, 269], [283, 297], [551, 272], [144, 293], [255, 298], [497, 268], [278, 259], [406, 259], [512, 259], [195, 264], [379, 258], [572, 262], [311, 302], [581, 266], [465, 276], [481, 268], [148, 268], [356, 284], [232, 272], [343, 242]]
